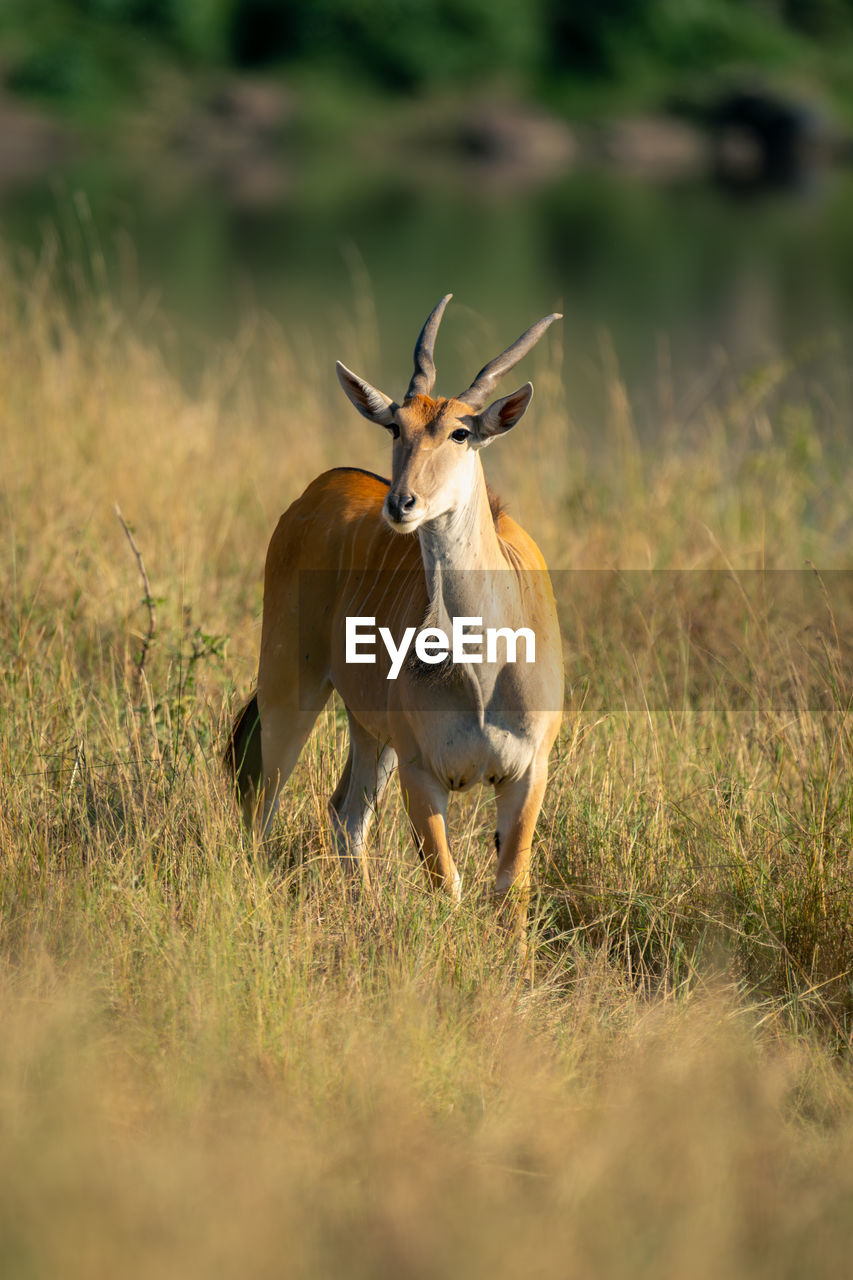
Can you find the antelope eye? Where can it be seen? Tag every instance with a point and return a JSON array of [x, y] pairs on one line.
[[460, 435], [394, 430]]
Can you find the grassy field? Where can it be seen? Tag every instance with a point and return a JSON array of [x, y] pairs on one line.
[[211, 1062]]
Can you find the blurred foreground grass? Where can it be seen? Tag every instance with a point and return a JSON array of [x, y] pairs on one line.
[[213, 1064]]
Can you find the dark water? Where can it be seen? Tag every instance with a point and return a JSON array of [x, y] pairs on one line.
[[671, 283]]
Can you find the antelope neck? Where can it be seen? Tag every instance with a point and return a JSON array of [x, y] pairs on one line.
[[465, 565]]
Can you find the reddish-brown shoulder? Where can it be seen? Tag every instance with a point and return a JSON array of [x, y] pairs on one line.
[[348, 487], [509, 531]]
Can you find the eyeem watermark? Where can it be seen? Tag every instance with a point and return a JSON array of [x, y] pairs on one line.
[[433, 645]]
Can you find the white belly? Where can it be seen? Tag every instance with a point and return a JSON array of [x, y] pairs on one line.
[[463, 755]]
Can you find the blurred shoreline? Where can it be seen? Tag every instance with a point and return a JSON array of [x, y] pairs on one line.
[[249, 136]]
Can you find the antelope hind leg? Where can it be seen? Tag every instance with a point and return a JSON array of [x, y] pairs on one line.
[[285, 728], [352, 808]]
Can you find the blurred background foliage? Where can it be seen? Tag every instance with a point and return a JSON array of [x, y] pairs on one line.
[[81, 50]]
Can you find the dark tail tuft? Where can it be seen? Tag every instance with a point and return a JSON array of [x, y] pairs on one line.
[[243, 753]]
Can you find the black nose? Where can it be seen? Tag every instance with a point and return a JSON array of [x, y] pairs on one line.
[[400, 506]]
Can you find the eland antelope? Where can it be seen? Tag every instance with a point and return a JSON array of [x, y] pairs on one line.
[[428, 551]]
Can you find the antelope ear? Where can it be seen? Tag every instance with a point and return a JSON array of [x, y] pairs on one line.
[[372, 404], [503, 414]]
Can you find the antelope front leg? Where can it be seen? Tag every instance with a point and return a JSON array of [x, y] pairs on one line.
[[518, 805], [426, 805]]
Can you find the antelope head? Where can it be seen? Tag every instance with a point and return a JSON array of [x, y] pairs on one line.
[[437, 440]]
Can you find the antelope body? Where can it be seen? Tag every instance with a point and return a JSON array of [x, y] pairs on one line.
[[418, 551]]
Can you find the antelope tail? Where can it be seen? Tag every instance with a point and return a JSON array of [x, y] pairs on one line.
[[243, 753]]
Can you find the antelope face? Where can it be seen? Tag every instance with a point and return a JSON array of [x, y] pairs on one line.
[[432, 461], [436, 441]]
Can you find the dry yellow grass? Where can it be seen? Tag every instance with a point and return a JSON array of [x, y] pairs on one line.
[[212, 1063]]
